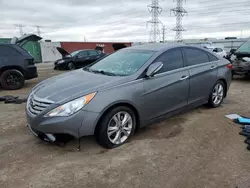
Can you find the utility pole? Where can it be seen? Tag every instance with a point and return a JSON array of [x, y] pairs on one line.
[[20, 26], [163, 33], [155, 11], [38, 31], [179, 12]]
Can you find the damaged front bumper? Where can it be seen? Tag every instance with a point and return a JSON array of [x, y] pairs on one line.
[[49, 128], [43, 136], [241, 65]]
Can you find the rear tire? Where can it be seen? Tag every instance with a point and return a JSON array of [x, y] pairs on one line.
[[217, 95], [12, 79], [116, 127], [71, 66]]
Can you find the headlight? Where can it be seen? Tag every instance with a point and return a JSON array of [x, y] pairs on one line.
[[61, 61], [71, 107]]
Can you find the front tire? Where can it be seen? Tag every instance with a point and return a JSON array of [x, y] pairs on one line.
[[116, 127], [71, 66], [217, 94], [12, 79]]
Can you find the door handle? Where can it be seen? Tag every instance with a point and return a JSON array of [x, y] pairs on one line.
[[184, 78], [213, 67]]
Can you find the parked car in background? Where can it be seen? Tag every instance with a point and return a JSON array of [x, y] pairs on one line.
[[16, 64], [217, 50], [126, 90], [240, 59], [77, 59]]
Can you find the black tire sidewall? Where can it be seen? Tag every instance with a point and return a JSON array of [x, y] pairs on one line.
[[211, 103], [69, 66], [7, 73], [101, 133]]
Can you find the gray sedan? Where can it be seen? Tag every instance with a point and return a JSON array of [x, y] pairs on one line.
[[126, 90]]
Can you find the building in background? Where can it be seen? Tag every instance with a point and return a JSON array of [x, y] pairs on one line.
[[45, 51], [106, 46], [49, 52]]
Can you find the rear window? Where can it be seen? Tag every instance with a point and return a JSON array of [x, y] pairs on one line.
[[212, 57], [8, 51]]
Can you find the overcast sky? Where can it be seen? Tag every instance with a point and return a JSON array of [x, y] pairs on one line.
[[121, 20]]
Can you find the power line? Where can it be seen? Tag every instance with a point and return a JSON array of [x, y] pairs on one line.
[[38, 30], [179, 12], [155, 10]]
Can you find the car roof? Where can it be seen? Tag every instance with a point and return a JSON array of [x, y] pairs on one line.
[[157, 47], [7, 44]]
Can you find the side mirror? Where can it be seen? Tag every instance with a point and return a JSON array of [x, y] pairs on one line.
[[154, 68], [232, 51], [214, 50]]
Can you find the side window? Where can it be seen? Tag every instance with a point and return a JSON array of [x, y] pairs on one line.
[[93, 53], [8, 51], [171, 60], [219, 50], [83, 54], [212, 57], [195, 56]]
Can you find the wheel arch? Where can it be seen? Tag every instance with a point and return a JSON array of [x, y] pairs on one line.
[[71, 61], [112, 106], [225, 83], [19, 68]]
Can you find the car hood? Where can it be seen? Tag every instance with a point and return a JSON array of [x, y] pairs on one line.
[[68, 86], [63, 52]]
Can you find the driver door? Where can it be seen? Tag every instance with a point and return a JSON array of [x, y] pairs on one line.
[[82, 59], [168, 89]]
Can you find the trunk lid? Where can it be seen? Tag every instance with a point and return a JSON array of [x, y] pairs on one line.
[[24, 39]]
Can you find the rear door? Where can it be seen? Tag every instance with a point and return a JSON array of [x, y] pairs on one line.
[[94, 55], [203, 73], [168, 89]]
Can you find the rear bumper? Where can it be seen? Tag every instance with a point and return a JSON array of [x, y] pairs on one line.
[[31, 72]]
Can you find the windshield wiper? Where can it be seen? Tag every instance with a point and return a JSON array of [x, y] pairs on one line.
[[102, 72]]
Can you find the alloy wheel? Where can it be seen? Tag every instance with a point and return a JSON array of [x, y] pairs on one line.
[[218, 94], [120, 127], [13, 79], [71, 66]]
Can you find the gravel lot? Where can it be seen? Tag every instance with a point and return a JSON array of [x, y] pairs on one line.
[[200, 148]]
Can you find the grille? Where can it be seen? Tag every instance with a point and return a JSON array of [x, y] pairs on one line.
[[37, 105]]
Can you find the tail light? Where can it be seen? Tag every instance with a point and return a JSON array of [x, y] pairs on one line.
[[230, 66]]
